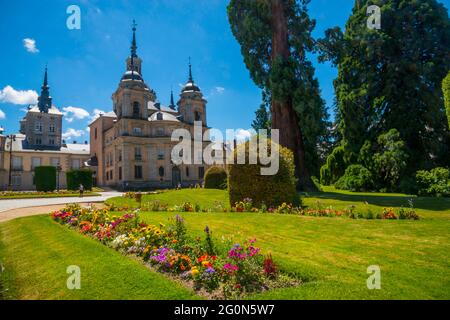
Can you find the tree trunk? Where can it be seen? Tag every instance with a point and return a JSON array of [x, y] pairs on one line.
[[284, 117]]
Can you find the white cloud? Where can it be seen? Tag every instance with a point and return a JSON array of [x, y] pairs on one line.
[[21, 97], [219, 90], [30, 45], [72, 113], [72, 133], [2, 114], [96, 113], [88, 130], [242, 135]]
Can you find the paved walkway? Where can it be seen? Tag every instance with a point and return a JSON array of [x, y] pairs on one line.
[[7, 205], [34, 211]]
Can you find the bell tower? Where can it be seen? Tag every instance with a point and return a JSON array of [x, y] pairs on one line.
[[133, 95], [192, 105]]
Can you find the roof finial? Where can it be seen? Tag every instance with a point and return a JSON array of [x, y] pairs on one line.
[[191, 79], [45, 77], [133, 43], [172, 103]]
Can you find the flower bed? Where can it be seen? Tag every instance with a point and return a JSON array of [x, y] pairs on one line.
[[246, 206], [213, 270], [41, 194]]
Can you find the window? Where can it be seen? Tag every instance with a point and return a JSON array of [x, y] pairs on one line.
[[187, 171], [138, 172], [198, 116], [95, 133], [38, 126], [38, 141], [51, 141], [120, 173], [137, 154], [35, 162], [201, 172], [136, 110], [120, 155], [161, 154], [161, 171], [137, 131], [52, 128], [107, 175], [76, 164], [160, 132], [159, 116], [111, 175], [17, 163], [54, 162], [16, 180]]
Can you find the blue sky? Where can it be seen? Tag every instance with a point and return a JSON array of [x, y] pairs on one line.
[[86, 65]]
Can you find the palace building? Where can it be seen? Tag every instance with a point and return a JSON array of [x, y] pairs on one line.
[[131, 145], [39, 143]]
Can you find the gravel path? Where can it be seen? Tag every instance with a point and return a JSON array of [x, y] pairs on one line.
[[15, 208]]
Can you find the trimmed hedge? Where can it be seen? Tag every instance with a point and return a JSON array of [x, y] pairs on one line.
[[216, 178], [246, 181], [45, 178], [77, 177]]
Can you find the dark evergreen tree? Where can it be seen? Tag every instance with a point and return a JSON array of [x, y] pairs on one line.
[[262, 119], [275, 36], [389, 78]]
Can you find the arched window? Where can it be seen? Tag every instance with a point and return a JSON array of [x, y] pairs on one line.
[[136, 110], [161, 172], [198, 116]]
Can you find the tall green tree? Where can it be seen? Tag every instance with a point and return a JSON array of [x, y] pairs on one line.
[[262, 115], [446, 91], [389, 78], [275, 36]]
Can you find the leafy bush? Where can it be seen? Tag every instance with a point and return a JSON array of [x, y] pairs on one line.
[[390, 160], [216, 178], [77, 177], [334, 168], [45, 178], [356, 178], [434, 183], [246, 182]]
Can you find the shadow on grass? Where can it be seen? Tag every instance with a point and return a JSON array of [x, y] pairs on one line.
[[426, 203]]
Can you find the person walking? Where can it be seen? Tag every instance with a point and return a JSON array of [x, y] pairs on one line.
[[81, 190]]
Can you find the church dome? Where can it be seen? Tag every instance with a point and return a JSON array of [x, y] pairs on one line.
[[190, 86], [132, 75]]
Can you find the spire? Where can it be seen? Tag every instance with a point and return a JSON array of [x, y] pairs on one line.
[[191, 79], [45, 77], [172, 103], [133, 42], [44, 100]]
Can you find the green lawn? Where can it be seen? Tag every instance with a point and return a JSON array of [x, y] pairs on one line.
[[331, 255]]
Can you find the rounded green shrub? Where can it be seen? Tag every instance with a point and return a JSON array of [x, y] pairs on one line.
[[245, 181], [216, 178], [335, 166], [356, 178], [45, 178]]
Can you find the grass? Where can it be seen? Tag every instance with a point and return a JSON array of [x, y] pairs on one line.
[[36, 252], [330, 254], [52, 195]]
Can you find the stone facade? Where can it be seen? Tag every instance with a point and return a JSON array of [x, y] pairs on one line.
[[131, 146], [39, 143]]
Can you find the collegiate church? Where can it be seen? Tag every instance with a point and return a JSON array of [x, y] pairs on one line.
[[131, 145]]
